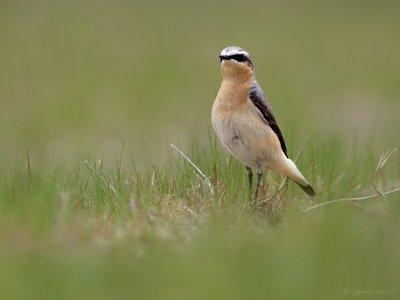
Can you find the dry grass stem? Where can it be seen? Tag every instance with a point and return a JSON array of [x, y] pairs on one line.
[[378, 193], [205, 178], [108, 185]]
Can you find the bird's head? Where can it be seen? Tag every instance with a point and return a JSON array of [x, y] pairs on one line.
[[236, 63]]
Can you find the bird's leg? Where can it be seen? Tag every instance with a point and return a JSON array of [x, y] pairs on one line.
[[259, 177], [250, 175]]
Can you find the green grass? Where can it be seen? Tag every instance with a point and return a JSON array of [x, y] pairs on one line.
[[95, 204], [90, 231]]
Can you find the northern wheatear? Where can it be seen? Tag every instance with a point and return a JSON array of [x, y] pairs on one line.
[[244, 123]]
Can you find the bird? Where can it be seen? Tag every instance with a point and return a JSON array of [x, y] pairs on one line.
[[244, 123]]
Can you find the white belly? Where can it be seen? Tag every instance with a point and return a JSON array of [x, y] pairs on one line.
[[248, 138]]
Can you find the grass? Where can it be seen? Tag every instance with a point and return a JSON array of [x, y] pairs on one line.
[[95, 232], [94, 202]]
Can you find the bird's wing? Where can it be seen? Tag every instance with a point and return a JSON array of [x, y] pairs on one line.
[[258, 98]]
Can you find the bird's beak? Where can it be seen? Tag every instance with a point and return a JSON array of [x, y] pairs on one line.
[[223, 57]]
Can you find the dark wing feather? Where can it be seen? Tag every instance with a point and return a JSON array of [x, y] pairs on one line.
[[258, 98]]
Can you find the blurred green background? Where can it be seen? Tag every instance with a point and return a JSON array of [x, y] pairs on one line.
[[78, 79], [81, 76]]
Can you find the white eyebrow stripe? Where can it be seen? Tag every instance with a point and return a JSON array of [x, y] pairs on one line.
[[233, 50]]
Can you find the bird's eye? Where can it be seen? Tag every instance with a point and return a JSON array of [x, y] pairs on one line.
[[239, 57]]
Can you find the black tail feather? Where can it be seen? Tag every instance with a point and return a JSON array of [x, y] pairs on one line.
[[307, 188]]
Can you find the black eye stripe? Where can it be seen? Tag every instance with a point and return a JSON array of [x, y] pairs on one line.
[[239, 57]]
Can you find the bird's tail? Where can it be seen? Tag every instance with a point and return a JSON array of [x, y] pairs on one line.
[[291, 171]]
